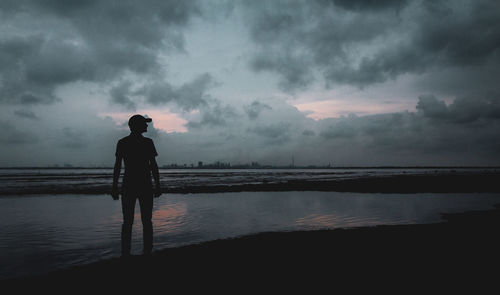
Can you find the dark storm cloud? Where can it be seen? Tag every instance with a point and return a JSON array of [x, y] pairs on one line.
[[365, 42], [17, 84], [46, 44], [357, 5], [188, 96], [255, 108], [214, 114], [276, 133], [431, 107], [120, 94], [465, 127], [462, 110], [342, 129], [26, 114]]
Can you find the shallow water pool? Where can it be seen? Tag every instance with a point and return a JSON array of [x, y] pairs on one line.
[[43, 233]]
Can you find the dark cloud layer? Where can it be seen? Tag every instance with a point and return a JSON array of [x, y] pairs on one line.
[[188, 96], [276, 133], [46, 44], [212, 115], [368, 5], [436, 134], [255, 108], [462, 110], [365, 42], [463, 132], [120, 94], [26, 114], [466, 126]]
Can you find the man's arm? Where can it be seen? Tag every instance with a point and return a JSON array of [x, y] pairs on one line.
[[156, 177], [116, 175]]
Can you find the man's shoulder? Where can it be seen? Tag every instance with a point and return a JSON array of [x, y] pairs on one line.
[[134, 140], [129, 138], [124, 139], [147, 139]]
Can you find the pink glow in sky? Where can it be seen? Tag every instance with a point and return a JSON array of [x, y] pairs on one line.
[[162, 119]]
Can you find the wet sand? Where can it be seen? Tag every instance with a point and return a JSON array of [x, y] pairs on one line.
[[461, 253], [411, 182], [440, 183]]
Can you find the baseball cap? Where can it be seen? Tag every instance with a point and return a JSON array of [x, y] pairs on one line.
[[137, 119]]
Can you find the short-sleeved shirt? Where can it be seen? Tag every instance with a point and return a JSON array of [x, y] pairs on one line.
[[137, 152]]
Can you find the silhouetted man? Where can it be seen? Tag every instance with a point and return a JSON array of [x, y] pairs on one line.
[[138, 153]]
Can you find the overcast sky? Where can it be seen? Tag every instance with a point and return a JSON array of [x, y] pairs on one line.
[[346, 82]]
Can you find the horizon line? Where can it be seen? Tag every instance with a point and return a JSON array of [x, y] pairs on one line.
[[249, 166]]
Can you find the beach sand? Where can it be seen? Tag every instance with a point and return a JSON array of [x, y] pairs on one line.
[[459, 254]]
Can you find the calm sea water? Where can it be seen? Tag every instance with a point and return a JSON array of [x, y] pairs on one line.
[[42, 233]]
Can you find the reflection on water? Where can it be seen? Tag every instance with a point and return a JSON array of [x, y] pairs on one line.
[[43, 233], [169, 218], [320, 221]]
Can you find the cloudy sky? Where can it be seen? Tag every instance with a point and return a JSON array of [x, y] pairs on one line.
[[346, 82]]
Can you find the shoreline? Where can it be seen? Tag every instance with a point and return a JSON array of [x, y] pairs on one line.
[[464, 245], [387, 184], [457, 182]]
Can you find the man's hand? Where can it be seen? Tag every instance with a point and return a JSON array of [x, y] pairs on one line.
[[115, 194], [157, 191]]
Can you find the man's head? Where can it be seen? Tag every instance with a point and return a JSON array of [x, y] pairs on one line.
[[138, 124]]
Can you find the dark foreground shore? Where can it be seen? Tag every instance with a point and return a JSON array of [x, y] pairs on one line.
[[461, 253]]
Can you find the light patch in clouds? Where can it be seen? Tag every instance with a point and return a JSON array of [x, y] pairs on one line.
[[391, 97], [162, 119], [336, 108]]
